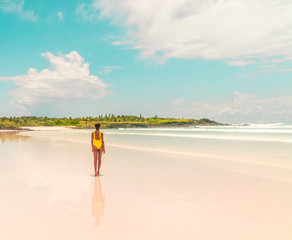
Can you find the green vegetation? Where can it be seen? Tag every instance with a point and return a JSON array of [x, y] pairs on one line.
[[107, 121]]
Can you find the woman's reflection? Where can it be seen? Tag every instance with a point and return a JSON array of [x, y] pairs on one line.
[[98, 200]]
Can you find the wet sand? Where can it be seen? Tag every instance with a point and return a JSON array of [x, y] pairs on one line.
[[47, 192]]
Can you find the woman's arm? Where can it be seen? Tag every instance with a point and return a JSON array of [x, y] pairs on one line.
[[103, 146], [92, 140]]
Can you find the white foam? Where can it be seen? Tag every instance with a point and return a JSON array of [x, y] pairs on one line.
[[235, 130], [209, 136]]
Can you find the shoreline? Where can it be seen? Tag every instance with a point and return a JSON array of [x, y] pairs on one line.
[[111, 126], [39, 128], [107, 122], [160, 125], [9, 131], [47, 128]]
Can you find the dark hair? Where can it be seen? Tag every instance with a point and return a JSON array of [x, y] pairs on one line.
[[97, 126]]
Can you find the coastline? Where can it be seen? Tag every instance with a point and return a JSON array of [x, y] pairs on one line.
[[107, 122], [110, 126], [39, 128], [144, 125], [9, 131], [46, 128]]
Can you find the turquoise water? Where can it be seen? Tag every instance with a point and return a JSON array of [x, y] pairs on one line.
[[269, 142], [259, 143]]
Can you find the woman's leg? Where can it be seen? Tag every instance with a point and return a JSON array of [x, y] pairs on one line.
[[99, 160], [95, 161]]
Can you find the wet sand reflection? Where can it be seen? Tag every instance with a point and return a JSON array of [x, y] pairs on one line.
[[98, 200], [12, 137]]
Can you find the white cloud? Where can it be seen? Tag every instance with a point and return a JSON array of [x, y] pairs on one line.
[[16, 7], [246, 108], [69, 78], [267, 66], [269, 69], [276, 70], [60, 16], [240, 63], [280, 60], [109, 69], [87, 12], [208, 29], [177, 102]]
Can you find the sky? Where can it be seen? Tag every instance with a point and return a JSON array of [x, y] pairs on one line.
[[227, 60]]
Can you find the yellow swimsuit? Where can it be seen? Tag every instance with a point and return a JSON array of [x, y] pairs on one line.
[[97, 142]]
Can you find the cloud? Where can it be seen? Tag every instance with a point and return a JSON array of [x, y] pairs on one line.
[[207, 29], [177, 102], [69, 78], [109, 69], [267, 66], [240, 63], [16, 7], [280, 60], [275, 69], [244, 107], [60, 16], [87, 12]]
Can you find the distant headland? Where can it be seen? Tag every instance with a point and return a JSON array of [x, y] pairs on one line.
[[107, 121]]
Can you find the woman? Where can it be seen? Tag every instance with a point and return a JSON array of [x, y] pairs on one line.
[[98, 147]]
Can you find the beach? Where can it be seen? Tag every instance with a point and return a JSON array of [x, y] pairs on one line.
[[209, 183], [194, 100]]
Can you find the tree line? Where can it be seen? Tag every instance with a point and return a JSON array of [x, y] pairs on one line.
[[89, 121]]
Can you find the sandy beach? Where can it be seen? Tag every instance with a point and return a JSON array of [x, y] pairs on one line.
[[48, 192]]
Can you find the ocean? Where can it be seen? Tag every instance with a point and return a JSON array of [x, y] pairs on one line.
[[269, 144]]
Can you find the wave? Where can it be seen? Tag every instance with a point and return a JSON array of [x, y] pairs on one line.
[[215, 137], [241, 130], [269, 125]]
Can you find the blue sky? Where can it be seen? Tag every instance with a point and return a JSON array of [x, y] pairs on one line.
[[225, 60]]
